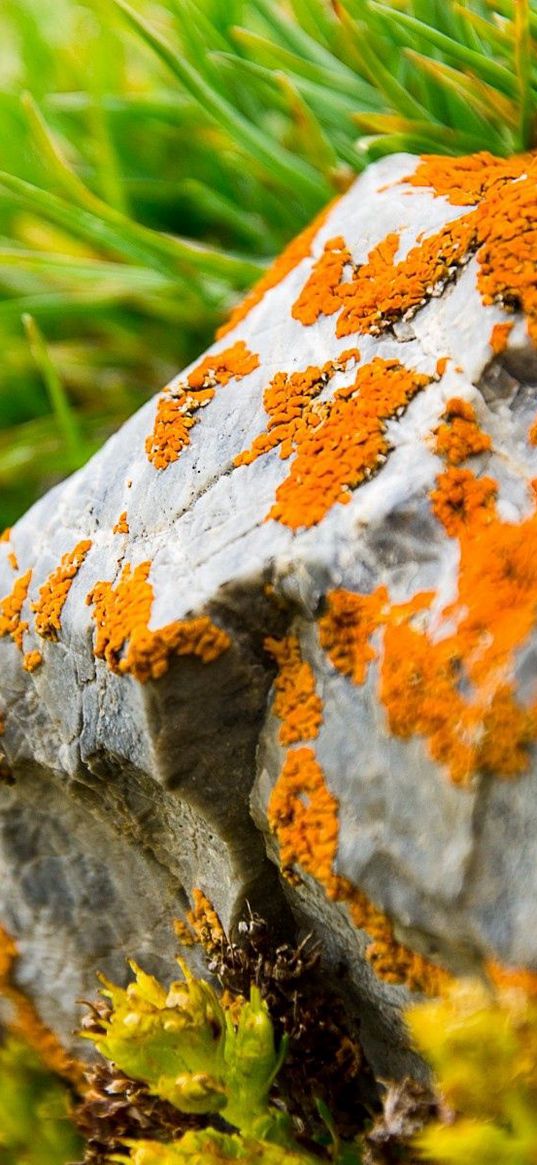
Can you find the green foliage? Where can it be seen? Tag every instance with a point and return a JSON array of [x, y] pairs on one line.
[[157, 155], [484, 1051], [35, 1124], [213, 1148], [189, 1051], [203, 1058]]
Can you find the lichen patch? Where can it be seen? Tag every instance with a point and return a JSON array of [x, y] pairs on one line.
[[178, 405], [298, 249], [122, 525], [303, 813], [504, 219], [457, 691], [11, 621], [53, 594], [296, 702], [459, 435], [381, 291], [123, 639], [343, 442]]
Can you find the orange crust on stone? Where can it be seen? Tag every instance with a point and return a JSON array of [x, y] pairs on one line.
[[123, 639], [296, 702], [11, 606], [505, 217], [343, 442], [122, 525], [304, 815], [499, 337], [298, 249], [457, 690], [32, 660], [26, 1023], [459, 435], [382, 291], [53, 594], [347, 627], [177, 406], [338, 443]]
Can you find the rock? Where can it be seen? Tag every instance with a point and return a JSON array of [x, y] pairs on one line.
[[305, 574]]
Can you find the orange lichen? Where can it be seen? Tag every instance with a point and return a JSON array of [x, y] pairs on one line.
[[122, 525], [205, 923], [505, 222], [296, 702], [53, 594], [32, 660], [220, 367], [297, 250], [177, 406], [12, 559], [320, 292], [25, 1022], [346, 629], [339, 442], [6, 534], [441, 366], [512, 978], [287, 401], [123, 638], [382, 291], [499, 337], [183, 933], [460, 499], [501, 227], [343, 442], [457, 691], [390, 959], [508, 233], [304, 815], [465, 181], [11, 610], [459, 436]]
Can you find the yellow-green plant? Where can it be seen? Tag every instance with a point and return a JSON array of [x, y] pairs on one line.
[[203, 1058], [213, 1148], [35, 1120], [192, 1052], [483, 1048]]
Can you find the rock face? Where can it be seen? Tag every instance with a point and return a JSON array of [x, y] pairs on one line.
[[289, 609]]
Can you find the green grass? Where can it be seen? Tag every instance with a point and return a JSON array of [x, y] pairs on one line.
[[156, 156]]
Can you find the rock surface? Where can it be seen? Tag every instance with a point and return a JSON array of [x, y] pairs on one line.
[[290, 609]]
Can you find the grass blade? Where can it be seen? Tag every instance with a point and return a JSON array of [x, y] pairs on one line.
[[489, 70], [65, 415], [138, 244], [277, 161], [523, 67]]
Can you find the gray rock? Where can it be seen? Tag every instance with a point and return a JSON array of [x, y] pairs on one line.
[[135, 755]]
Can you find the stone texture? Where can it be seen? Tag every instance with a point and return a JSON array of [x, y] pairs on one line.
[[131, 788]]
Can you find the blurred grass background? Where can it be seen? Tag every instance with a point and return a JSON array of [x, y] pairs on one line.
[[155, 158]]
